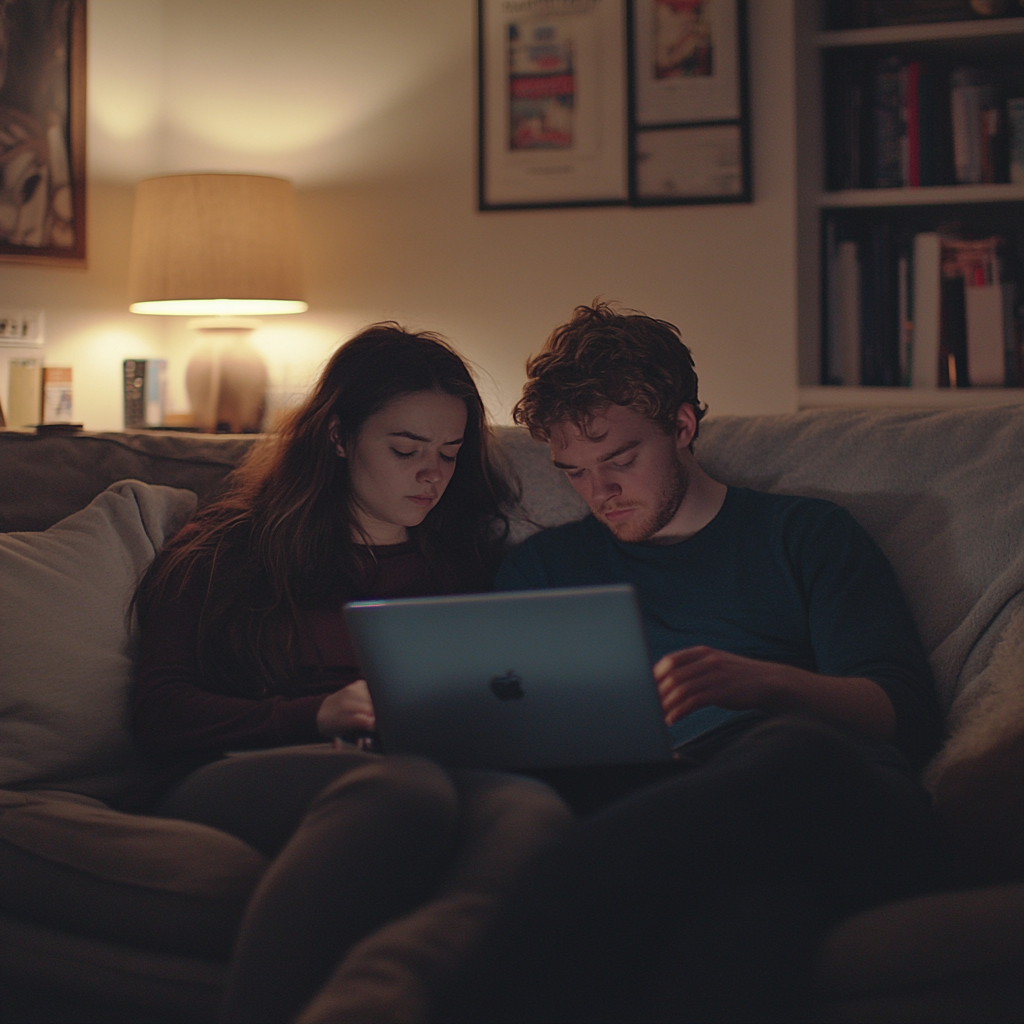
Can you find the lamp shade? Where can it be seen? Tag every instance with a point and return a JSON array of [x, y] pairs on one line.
[[213, 244]]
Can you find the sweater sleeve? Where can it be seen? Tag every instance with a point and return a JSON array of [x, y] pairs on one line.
[[172, 713], [859, 621]]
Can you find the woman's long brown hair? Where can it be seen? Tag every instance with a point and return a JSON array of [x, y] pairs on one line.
[[281, 538]]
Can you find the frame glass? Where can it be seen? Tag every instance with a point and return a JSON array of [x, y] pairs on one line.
[[689, 110], [552, 103], [42, 132]]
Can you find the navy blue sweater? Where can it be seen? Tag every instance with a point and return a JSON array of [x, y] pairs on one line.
[[783, 579]]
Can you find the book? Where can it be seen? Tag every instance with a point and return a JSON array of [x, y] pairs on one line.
[[910, 94], [25, 392], [977, 126], [1011, 333], [1015, 117], [927, 307], [880, 327], [890, 129], [904, 290], [975, 266], [57, 396], [842, 353], [986, 359], [145, 392]]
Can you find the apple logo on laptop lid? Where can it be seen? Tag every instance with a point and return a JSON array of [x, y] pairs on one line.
[[508, 686]]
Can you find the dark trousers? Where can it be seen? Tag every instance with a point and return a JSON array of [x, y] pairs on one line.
[[357, 841], [703, 896]]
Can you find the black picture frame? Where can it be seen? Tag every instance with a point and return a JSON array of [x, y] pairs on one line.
[[42, 133], [674, 134], [538, 147], [693, 147]]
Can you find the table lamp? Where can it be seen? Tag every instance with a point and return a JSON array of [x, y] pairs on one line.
[[224, 248]]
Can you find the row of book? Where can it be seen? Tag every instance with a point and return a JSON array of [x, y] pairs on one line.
[[37, 394], [842, 14], [935, 310], [895, 123]]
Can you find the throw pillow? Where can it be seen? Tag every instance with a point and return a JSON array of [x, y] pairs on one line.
[[977, 779], [65, 646]]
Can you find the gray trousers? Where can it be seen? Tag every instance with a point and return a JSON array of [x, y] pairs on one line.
[[360, 842]]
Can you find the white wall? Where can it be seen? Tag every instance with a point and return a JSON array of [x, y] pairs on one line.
[[369, 105]]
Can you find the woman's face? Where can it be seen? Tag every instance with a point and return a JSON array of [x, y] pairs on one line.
[[401, 462]]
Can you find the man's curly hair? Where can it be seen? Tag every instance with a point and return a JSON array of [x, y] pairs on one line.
[[603, 357]]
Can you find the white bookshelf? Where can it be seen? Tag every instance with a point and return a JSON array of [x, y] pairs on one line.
[[821, 396], [973, 40]]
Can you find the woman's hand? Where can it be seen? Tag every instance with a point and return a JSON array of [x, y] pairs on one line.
[[347, 710]]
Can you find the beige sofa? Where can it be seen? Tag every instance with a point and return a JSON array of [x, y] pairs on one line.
[[108, 916]]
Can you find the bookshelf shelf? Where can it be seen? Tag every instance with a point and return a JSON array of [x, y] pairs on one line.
[[826, 217], [932, 195], [897, 35], [823, 396]]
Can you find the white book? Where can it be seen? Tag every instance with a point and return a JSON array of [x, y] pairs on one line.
[[927, 309], [847, 321], [986, 360]]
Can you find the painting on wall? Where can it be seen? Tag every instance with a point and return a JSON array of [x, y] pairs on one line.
[[690, 129], [552, 94], [42, 131]]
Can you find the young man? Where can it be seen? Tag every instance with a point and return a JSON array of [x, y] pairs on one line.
[[793, 681]]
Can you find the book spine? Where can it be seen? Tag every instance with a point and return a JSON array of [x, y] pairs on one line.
[[1010, 329], [906, 326], [953, 347], [155, 385], [927, 306], [1015, 116], [134, 393], [25, 393], [965, 108], [912, 106], [849, 291], [888, 135], [57, 396]]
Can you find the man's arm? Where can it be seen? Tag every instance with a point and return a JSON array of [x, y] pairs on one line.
[[698, 676]]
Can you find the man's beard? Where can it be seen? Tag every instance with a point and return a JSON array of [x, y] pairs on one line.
[[648, 520]]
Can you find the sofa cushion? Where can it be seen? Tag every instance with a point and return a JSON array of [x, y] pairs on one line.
[[942, 492], [977, 779], [65, 649], [73, 864], [49, 477]]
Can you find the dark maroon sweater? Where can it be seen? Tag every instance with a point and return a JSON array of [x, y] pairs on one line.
[[174, 713]]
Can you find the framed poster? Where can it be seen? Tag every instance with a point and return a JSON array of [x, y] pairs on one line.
[[42, 132], [552, 103], [689, 111]]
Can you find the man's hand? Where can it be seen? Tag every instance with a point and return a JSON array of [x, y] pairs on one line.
[[347, 710], [699, 676]]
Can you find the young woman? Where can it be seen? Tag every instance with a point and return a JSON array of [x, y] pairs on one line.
[[380, 485]]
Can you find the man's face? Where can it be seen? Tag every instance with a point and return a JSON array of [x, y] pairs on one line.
[[631, 473]]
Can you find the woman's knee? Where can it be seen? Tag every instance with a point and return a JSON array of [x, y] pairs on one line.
[[401, 785]]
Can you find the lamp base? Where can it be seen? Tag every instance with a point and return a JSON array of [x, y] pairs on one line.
[[226, 379]]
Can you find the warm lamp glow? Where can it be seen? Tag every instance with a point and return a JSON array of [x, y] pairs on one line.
[[219, 307], [220, 245], [215, 237]]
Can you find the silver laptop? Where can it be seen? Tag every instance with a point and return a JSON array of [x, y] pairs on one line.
[[528, 679]]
